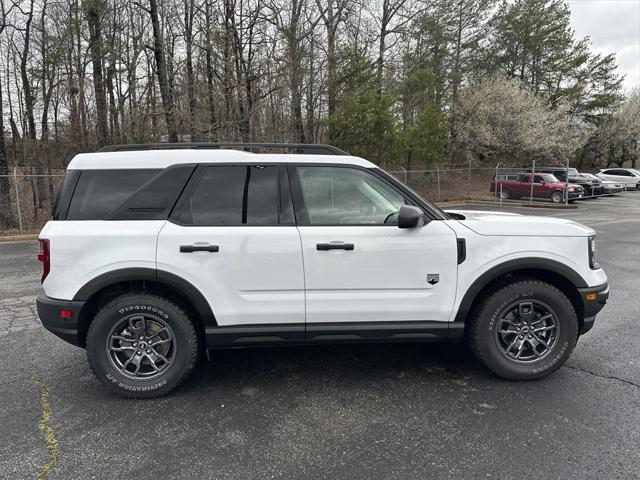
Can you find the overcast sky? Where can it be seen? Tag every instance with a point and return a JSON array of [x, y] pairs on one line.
[[614, 27]]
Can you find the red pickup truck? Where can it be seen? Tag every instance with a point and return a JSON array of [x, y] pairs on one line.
[[545, 185]]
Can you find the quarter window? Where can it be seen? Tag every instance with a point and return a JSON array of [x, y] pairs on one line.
[[99, 192], [347, 196]]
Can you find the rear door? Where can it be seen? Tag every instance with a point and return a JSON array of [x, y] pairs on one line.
[[232, 235], [359, 266]]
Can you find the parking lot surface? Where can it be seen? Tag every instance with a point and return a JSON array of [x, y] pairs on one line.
[[376, 411]]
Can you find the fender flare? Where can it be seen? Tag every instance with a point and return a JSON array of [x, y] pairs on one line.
[[528, 263], [154, 276]]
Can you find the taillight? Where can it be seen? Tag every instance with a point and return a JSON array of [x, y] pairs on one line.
[[44, 256]]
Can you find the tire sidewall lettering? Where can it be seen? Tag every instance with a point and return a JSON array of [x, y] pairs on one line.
[[142, 308]]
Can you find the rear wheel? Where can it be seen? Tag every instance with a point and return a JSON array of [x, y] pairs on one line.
[[524, 331], [141, 345], [505, 194]]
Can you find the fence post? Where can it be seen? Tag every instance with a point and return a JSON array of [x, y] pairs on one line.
[[469, 181], [533, 173], [566, 184], [495, 184], [405, 175], [15, 184]]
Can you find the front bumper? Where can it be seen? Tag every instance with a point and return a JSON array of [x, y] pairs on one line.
[[576, 194], [49, 313], [600, 295]]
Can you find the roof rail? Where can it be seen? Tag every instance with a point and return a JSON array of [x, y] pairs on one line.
[[304, 148]]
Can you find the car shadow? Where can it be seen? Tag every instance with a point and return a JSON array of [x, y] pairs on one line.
[[347, 363]]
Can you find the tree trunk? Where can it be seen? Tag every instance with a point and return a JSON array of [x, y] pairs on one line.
[[26, 83], [94, 10], [166, 93], [191, 91], [209, 68]]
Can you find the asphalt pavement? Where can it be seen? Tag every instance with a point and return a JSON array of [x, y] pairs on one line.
[[361, 412]]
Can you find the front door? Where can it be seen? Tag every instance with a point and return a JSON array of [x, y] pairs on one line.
[[358, 265]]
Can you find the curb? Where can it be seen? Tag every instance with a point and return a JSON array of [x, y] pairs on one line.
[[19, 238]]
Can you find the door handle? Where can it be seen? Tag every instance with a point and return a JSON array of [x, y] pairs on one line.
[[199, 248], [334, 246]]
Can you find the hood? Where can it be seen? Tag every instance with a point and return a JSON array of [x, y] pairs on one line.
[[513, 224]]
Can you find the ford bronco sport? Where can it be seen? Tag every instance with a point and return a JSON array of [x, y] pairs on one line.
[[157, 253]]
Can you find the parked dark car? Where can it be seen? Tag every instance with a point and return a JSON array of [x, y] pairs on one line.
[[608, 187], [591, 187], [545, 186]]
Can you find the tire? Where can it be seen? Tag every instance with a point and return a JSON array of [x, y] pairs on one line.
[[148, 368], [557, 197], [505, 194], [496, 315]]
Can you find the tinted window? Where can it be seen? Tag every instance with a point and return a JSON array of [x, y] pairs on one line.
[[61, 205], [99, 192], [538, 179], [232, 195], [154, 199], [337, 195]]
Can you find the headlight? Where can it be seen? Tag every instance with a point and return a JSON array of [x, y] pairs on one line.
[[592, 253]]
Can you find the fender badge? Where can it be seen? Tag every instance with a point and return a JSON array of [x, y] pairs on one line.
[[433, 278]]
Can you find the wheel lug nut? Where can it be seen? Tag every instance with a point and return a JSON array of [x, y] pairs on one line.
[[139, 352], [521, 336], [528, 336]]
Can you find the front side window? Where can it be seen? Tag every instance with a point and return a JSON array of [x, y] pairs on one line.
[[346, 196], [232, 195]]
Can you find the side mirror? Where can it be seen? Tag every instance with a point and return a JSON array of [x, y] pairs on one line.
[[411, 217]]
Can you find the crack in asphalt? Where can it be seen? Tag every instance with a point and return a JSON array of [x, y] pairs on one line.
[[606, 377], [53, 447]]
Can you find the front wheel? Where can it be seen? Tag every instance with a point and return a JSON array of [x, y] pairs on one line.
[[524, 331], [141, 345], [556, 197]]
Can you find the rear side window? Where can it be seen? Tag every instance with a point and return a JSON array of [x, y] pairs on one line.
[[99, 192], [61, 205], [233, 195]]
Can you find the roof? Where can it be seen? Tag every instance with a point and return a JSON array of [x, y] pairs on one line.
[[165, 158]]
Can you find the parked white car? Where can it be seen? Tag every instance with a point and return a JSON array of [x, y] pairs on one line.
[[629, 177], [155, 254]]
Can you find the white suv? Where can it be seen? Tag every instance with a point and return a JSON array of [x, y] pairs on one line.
[[627, 176], [157, 253]]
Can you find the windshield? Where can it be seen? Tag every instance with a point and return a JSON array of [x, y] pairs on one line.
[[550, 178], [573, 172]]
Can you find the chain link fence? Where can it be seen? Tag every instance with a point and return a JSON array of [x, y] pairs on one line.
[[27, 198], [26, 201]]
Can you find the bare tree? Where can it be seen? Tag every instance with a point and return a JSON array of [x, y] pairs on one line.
[[166, 92], [94, 11]]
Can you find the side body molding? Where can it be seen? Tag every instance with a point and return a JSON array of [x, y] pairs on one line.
[[513, 266], [153, 276]]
